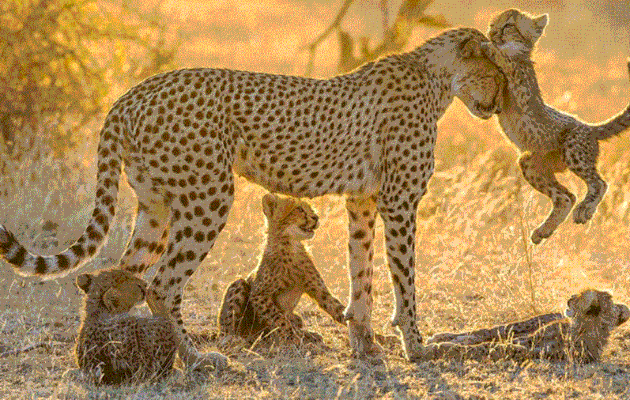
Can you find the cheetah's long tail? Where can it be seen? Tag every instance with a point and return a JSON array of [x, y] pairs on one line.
[[613, 126], [109, 168]]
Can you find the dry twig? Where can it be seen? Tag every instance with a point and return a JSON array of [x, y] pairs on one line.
[[395, 37]]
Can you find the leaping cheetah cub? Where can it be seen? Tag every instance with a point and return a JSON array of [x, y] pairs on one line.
[[114, 347], [581, 336], [266, 299], [550, 140]]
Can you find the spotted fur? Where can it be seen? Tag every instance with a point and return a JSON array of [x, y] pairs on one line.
[[113, 347], [368, 134], [497, 333], [550, 141], [581, 337], [266, 299]]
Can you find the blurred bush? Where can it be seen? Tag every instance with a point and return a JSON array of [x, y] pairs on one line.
[[59, 60]]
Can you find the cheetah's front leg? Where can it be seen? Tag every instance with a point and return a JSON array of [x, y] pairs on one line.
[[316, 288], [361, 218], [400, 236]]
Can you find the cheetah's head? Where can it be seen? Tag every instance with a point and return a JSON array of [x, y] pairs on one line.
[[597, 306], [116, 290], [593, 317], [290, 217], [477, 81], [516, 28]]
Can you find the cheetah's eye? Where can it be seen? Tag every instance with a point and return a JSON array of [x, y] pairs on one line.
[[509, 28]]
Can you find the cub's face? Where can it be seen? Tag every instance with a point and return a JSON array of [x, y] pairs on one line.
[[117, 291], [517, 28], [289, 216], [596, 305]]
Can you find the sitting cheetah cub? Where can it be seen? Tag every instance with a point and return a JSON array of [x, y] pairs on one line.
[[550, 140], [114, 347], [266, 299], [581, 336]]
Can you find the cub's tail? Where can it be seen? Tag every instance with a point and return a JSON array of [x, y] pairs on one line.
[[615, 125], [95, 235]]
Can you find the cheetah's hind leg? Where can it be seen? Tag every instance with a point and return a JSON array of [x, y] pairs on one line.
[[540, 176], [580, 155], [497, 333], [296, 321], [233, 308]]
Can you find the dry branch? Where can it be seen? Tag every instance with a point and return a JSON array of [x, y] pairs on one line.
[[395, 37]]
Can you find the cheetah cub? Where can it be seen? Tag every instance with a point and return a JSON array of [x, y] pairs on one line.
[[550, 140], [266, 299], [590, 318], [114, 347]]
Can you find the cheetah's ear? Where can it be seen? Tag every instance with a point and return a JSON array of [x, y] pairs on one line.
[[470, 48], [541, 22], [623, 313], [83, 282], [499, 59], [269, 204]]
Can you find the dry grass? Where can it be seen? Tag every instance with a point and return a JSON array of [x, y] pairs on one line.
[[475, 264]]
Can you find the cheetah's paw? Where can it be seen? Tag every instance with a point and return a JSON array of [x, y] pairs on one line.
[[198, 361], [582, 213], [539, 234], [362, 341]]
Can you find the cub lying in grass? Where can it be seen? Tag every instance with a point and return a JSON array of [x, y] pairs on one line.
[[590, 317], [114, 347]]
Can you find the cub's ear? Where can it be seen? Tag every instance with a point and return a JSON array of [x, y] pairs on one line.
[[83, 282], [470, 48], [541, 22], [269, 204], [623, 313], [569, 312]]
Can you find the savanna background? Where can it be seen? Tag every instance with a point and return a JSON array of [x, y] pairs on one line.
[[64, 63]]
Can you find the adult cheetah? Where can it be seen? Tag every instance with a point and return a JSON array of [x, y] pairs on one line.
[[368, 134], [267, 298], [581, 337], [114, 347]]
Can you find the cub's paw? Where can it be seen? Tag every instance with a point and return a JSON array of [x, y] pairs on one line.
[[200, 361], [539, 234], [583, 213], [311, 337], [296, 321]]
